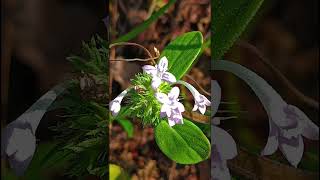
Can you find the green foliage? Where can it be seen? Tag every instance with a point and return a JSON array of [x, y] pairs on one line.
[[94, 59], [142, 27], [183, 143], [229, 19], [127, 126], [142, 101], [83, 135], [182, 52]]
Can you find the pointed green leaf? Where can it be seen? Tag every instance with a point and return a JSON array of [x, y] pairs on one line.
[[127, 126], [229, 19], [183, 143], [182, 52]]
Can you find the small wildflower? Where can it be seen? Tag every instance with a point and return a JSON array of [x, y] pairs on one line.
[[115, 105], [200, 101], [159, 73], [287, 123], [171, 107]]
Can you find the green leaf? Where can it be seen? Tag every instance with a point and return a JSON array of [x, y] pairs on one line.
[[182, 52], [127, 126], [229, 19], [183, 143], [142, 27]]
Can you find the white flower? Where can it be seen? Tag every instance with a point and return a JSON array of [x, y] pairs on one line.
[[287, 123], [171, 107], [200, 101], [287, 126], [115, 105], [159, 73]]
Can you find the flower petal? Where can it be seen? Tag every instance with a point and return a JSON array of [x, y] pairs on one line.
[[150, 70], [171, 122], [309, 129], [195, 107], [202, 109], [23, 143], [272, 143], [174, 93], [271, 147], [168, 77], [293, 151], [115, 107], [161, 97], [177, 118], [163, 65], [180, 107], [206, 101], [224, 142], [220, 171], [165, 109], [156, 81]]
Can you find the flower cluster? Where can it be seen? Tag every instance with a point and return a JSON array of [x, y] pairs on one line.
[[153, 85]]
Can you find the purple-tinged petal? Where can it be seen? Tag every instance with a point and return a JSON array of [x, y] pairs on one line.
[[155, 82], [166, 109], [309, 129], [168, 77], [19, 147], [171, 122], [163, 65], [219, 169], [220, 173], [177, 118], [150, 70], [180, 107], [162, 98], [271, 147], [226, 146], [174, 93], [272, 143], [115, 107], [292, 149]]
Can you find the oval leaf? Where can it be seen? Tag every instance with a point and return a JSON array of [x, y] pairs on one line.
[[182, 52], [183, 143], [229, 19]]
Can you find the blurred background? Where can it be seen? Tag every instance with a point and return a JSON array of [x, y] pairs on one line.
[[285, 32], [36, 38]]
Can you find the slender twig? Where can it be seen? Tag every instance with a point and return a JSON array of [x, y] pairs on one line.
[[307, 100], [135, 59]]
